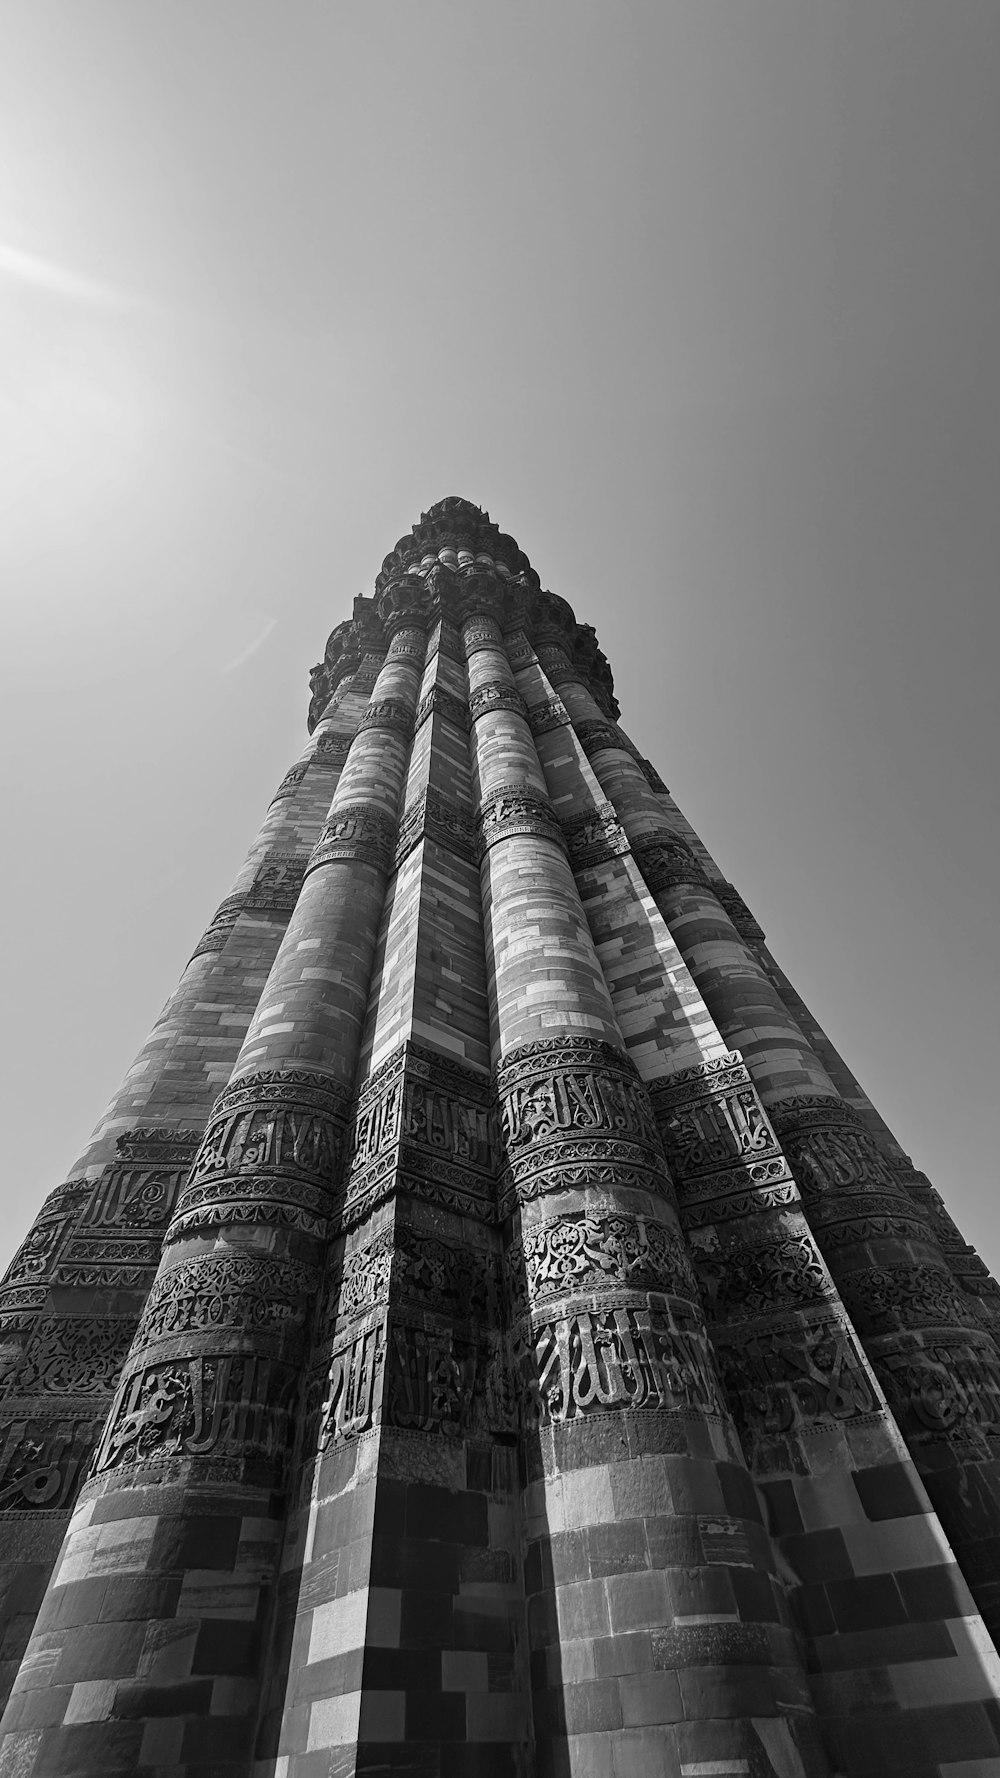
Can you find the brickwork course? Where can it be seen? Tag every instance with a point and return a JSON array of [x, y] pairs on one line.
[[492, 1334]]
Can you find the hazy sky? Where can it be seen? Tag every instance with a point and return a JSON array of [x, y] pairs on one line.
[[700, 300]]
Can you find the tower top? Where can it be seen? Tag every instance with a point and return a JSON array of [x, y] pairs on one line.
[[460, 534], [461, 539]]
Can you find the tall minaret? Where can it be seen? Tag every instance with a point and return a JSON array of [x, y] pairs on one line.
[[492, 1334]]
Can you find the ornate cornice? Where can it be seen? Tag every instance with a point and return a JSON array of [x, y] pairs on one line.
[[461, 535], [457, 562]]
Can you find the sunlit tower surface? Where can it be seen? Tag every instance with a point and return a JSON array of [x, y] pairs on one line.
[[491, 1333]]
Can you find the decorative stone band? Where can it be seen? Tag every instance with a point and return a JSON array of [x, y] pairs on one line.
[[594, 1361], [550, 715], [275, 889], [33, 1261], [652, 776], [159, 1147], [773, 1266], [598, 737], [439, 818], [52, 1362], [752, 1249], [482, 631], [137, 1193], [393, 715], [884, 1298], [271, 1152], [253, 1295], [740, 915], [563, 673], [841, 1171], [357, 830], [422, 1124], [291, 781], [234, 1408], [939, 1368], [428, 1378], [439, 702], [404, 611], [331, 750], [595, 837], [944, 1388], [721, 1152], [962, 1259], [499, 696], [305, 1209], [622, 1257], [512, 809], [519, 650], [602, 737], [277, 883], [358, 1281], [41, 1459], [667, 862], [573, 1112], [799, 1373]]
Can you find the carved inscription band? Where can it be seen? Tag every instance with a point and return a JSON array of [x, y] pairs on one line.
[[573, 1112], [513, 809], [359, 831]]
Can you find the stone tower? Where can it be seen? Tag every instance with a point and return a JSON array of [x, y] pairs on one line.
[[491, 1333]]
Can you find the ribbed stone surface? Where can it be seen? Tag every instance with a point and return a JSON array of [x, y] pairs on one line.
[[492, 1334]]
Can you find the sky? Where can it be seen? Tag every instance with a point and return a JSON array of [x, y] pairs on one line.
[[697, 297]]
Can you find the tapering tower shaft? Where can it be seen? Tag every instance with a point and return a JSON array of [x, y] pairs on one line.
[[550, 1363]]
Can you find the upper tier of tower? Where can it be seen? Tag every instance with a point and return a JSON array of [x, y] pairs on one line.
[[455, 552], [462, 536]]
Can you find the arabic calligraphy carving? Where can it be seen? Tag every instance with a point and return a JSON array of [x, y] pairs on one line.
[[830, 1149], [622, 1358], [516, 809], [716, 1129], [595, 836], [291, 781], [235, 1404], [132, 1198], [353, 1388], [432, 1380], [667, 862], [439, 818], [392, 714], [733, 904], [356, 830], [797, 1374], [282, 1122], [548, 715], [567, 1086], [277, 883], [495, 696], [41, 1460], [949, 1386], [33, 1258]]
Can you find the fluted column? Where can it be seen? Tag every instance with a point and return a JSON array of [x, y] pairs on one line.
[[152, 1627], [73, 1293], [938, 1368], [625, 1432], [400, 1636], [964, 1263], [810, 1413]]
